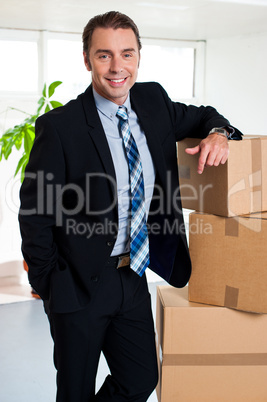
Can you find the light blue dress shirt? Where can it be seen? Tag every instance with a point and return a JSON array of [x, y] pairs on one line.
[[107, 112]]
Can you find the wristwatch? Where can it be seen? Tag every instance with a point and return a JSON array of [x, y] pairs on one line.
[[220, 131]]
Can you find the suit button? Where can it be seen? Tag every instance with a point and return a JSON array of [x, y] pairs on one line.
[[94, 278], [110, 243]]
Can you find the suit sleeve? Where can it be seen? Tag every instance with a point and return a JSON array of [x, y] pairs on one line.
[[44, 173], [196, 122]]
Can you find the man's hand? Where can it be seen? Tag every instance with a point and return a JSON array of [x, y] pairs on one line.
[[213, 150]]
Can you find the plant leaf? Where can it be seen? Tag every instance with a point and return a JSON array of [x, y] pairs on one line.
[[24, 133], [52, 88], [55, 104], [31, 131], [28, 142], [20, 163], [41, 103], [7, 150], [18, 143], [44, 91], [25, 163], [47, 108]]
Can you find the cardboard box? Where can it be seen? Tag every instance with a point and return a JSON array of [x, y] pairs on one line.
[[207, 353], [236, 188], [229, 261]]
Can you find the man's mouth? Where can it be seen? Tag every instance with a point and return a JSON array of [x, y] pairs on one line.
[[120, 80], [117, 81]]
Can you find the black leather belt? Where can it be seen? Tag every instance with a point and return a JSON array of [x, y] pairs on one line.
[[119, 261]]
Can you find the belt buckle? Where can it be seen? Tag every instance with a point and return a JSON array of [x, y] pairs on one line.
[[123, 261]]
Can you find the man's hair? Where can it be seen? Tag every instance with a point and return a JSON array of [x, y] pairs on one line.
[[111, 19]]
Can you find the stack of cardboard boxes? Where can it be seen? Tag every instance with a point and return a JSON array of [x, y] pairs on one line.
[[208, 353]]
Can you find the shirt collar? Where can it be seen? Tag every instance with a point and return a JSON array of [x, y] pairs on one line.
[[108, 108]]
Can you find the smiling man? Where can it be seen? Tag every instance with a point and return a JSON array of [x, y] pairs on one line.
[[113, 59], [106, 166]]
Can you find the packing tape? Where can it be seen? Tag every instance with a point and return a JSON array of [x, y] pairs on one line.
[[256, 176], [232, 226], [219, 359], [184, 172], [231, 297]]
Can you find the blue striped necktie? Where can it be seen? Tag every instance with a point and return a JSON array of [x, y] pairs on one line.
[[139, 247]]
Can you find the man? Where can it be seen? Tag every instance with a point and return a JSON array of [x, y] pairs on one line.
[[100, 192]]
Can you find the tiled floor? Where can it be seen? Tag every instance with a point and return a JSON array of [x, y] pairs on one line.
[[26, 350]]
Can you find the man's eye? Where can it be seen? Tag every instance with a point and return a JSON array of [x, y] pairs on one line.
[[127, 55], [103, 56]]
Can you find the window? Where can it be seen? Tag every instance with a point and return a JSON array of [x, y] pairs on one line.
[[173, 65], [19, 66], [19, 75], [177, 65], [65, 63]]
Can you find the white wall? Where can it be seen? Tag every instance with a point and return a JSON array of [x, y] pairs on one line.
[[236, 80]]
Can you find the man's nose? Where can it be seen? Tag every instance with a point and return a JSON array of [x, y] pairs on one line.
[[116, 65]]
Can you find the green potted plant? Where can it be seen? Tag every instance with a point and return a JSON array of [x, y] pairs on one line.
[[23, 134]]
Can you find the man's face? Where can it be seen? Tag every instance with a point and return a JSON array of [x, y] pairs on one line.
[[113, 60]]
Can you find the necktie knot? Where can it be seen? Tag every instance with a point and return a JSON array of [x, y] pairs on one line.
[[122, 113]]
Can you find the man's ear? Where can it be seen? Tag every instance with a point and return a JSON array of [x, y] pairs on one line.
[[86, 62]]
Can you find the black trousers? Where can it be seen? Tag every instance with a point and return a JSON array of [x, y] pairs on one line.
[[119, 322]]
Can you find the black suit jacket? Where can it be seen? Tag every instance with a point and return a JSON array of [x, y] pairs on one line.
[[70, 180]]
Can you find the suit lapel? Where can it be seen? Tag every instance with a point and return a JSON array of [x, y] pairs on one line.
[[96, 131], [151, 134]]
